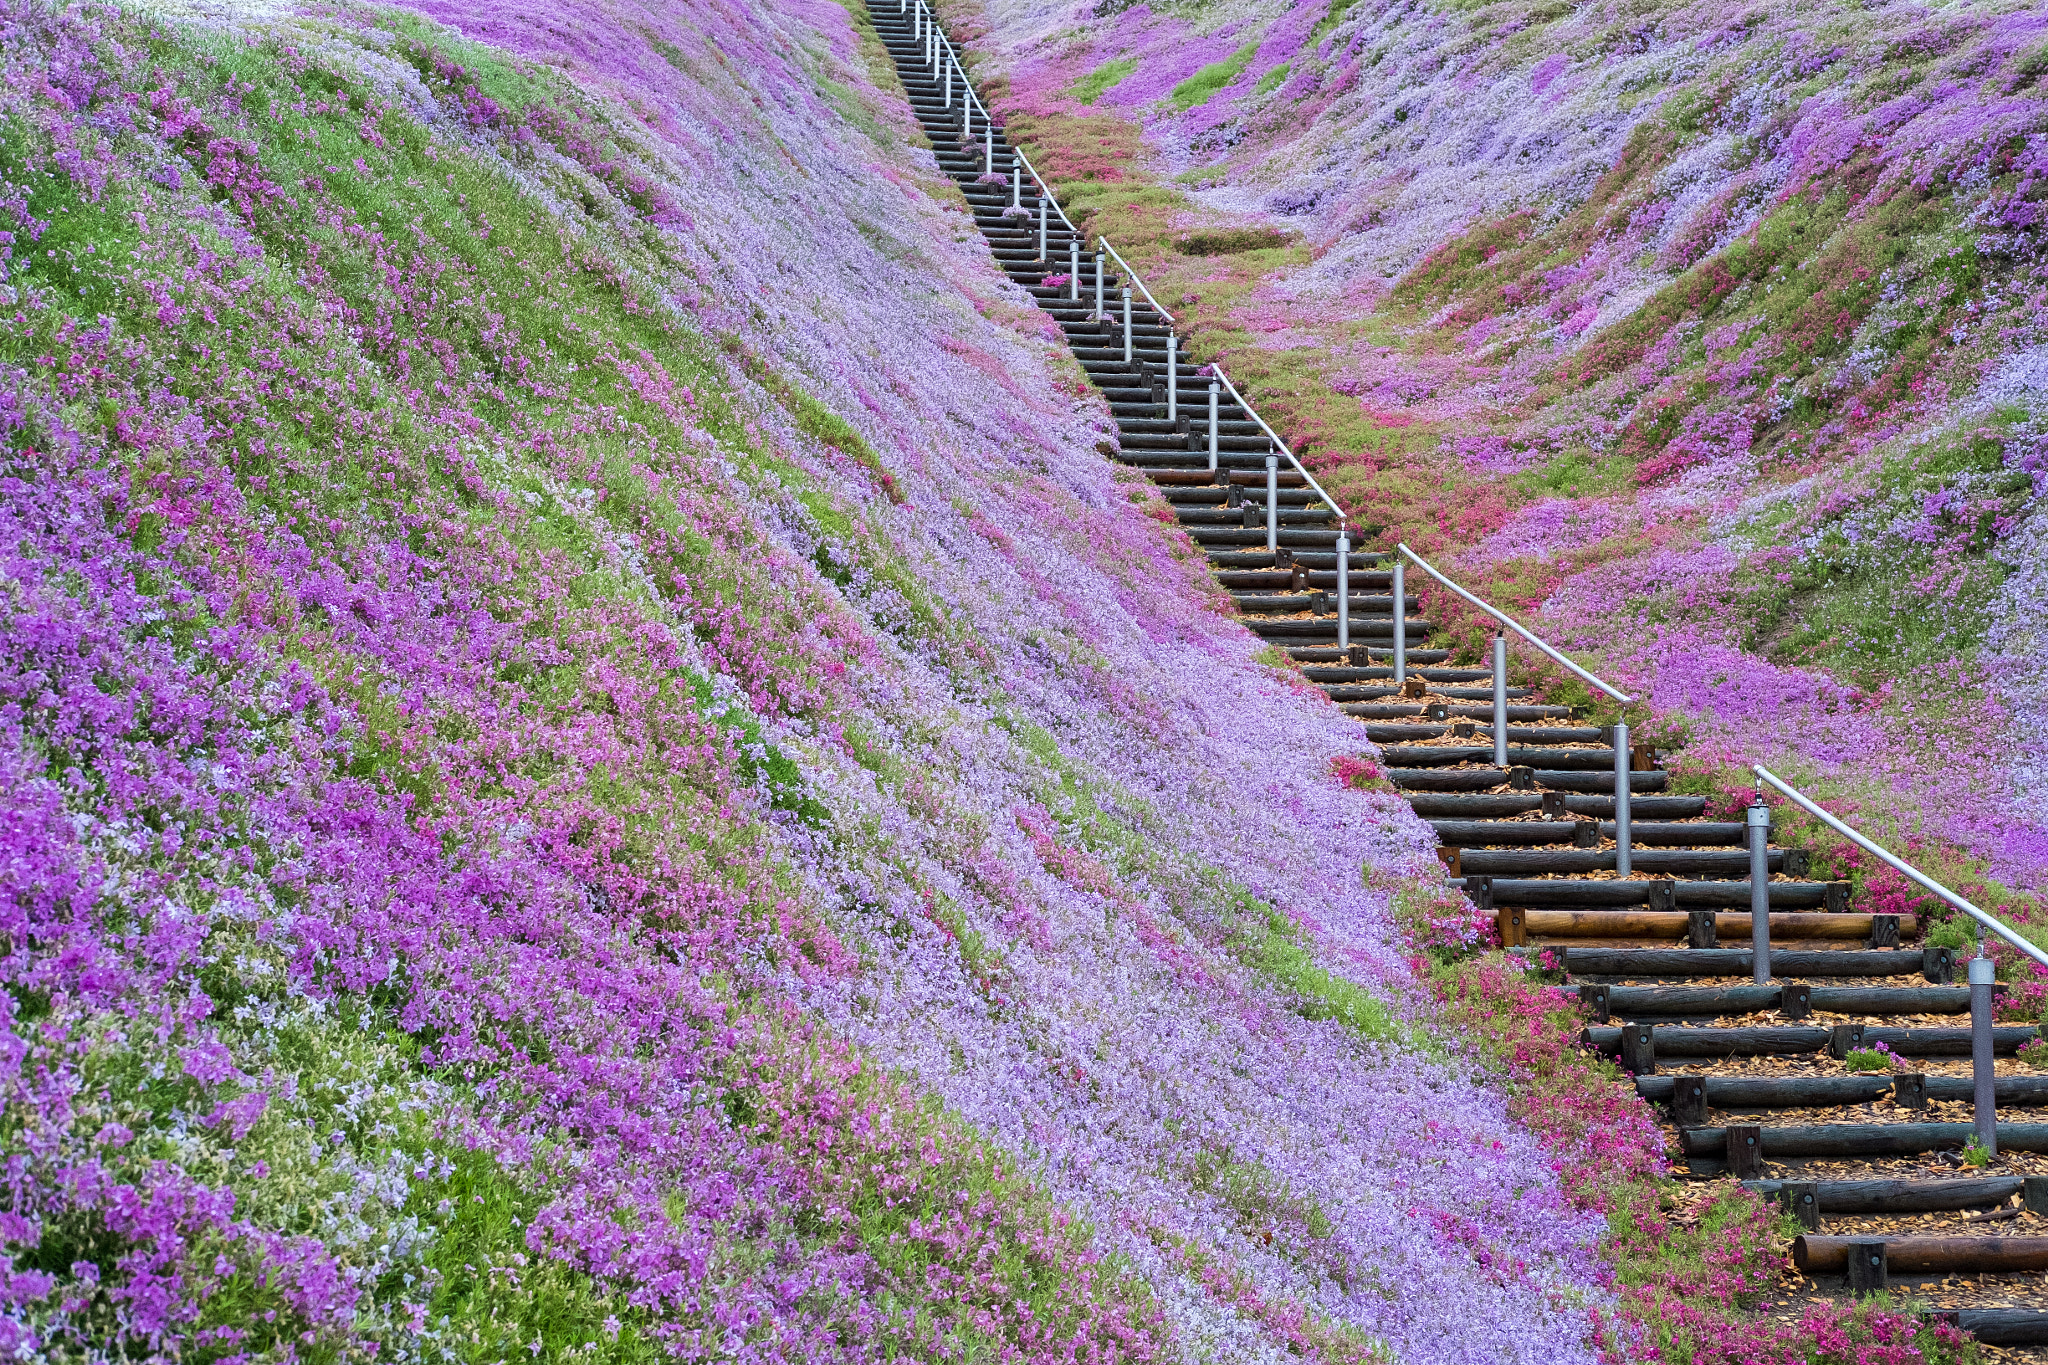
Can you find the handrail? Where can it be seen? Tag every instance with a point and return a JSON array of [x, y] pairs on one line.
[[1624, 698], [1134, 277], [953, 52], [1988, 921], [1299, 468]]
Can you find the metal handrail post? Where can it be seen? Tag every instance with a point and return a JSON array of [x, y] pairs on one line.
[[989, 127], [1758, 827], [1126, 292], [1173, 379], [949, 84], [1624, 773], [1624, 698], [1343, 595], [1099, 314], [1073, 269], [1016, 186], [1983, 1072], [1044, 222], [1212, 426], [1400, 622], [1500, 698], [1272, 504]]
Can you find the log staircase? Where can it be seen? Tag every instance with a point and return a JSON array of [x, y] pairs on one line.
[[1755, 1080]]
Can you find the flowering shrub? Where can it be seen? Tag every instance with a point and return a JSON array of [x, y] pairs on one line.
[[1876, 1058]]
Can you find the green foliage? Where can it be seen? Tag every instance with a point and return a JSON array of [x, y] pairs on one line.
[[1270, 941], [1091, 87], [1203, 85]]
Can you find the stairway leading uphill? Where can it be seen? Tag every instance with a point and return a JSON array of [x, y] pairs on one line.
[[1533, 838]]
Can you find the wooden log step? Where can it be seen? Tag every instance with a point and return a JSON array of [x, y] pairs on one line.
[[1611, 894], [1997, 1326], [1634, 1002], [1803, 1092], [1501, 806], [1913, 1196], [1590, 760], [1593, 783], [1671, 924], [1926, 1042], [1486, 862], [1485, 779], [1838, 1041], [1866, 1139], [1641, 962], [1714, 1042], [1772, 1092], [1926, 1255]]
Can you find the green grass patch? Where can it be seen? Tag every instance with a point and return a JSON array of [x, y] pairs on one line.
[[1091, 87], [1201, 87]]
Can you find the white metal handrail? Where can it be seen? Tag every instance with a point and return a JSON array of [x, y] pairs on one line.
[[1624, 698], [952, 52], [1990, 922], [1134, 277], [1299, 468]]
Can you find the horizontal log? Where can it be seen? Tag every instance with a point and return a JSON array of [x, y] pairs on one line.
[[1791, 962], [1867, 1139], [1522, 756], [1905, 1196], [1507, 804], [1805, 1092], [1926, 1255], [1671, 923], [1486, 779], [1999, 1326], [1656, 861], [1645, 1002], [1773, 1092], [1934, 1042], [1715, 1042], [1618, 894], [1594, 782]]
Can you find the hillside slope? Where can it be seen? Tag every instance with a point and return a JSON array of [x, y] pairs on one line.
[[1710, 337], [595, 762]]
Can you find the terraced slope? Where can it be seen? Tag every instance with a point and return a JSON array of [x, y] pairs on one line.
[[1763, 1088]]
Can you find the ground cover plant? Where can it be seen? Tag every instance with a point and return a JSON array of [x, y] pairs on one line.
[[597, 767]]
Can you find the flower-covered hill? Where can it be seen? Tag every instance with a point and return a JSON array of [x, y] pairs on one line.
[[1710, 334], [596, 765]]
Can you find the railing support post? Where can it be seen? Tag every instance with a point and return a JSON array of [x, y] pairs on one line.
[[949, 84], [1400, 620], [1212, 426], [1624, 840], [1982, 1074], [1173, 379], [989, 128], [1126, 291], [1758, 821], [1272, 504], [1074, 269], [1343, 595], [1044, 223], [1100, 316], [1016, 184], [1500, 699]]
